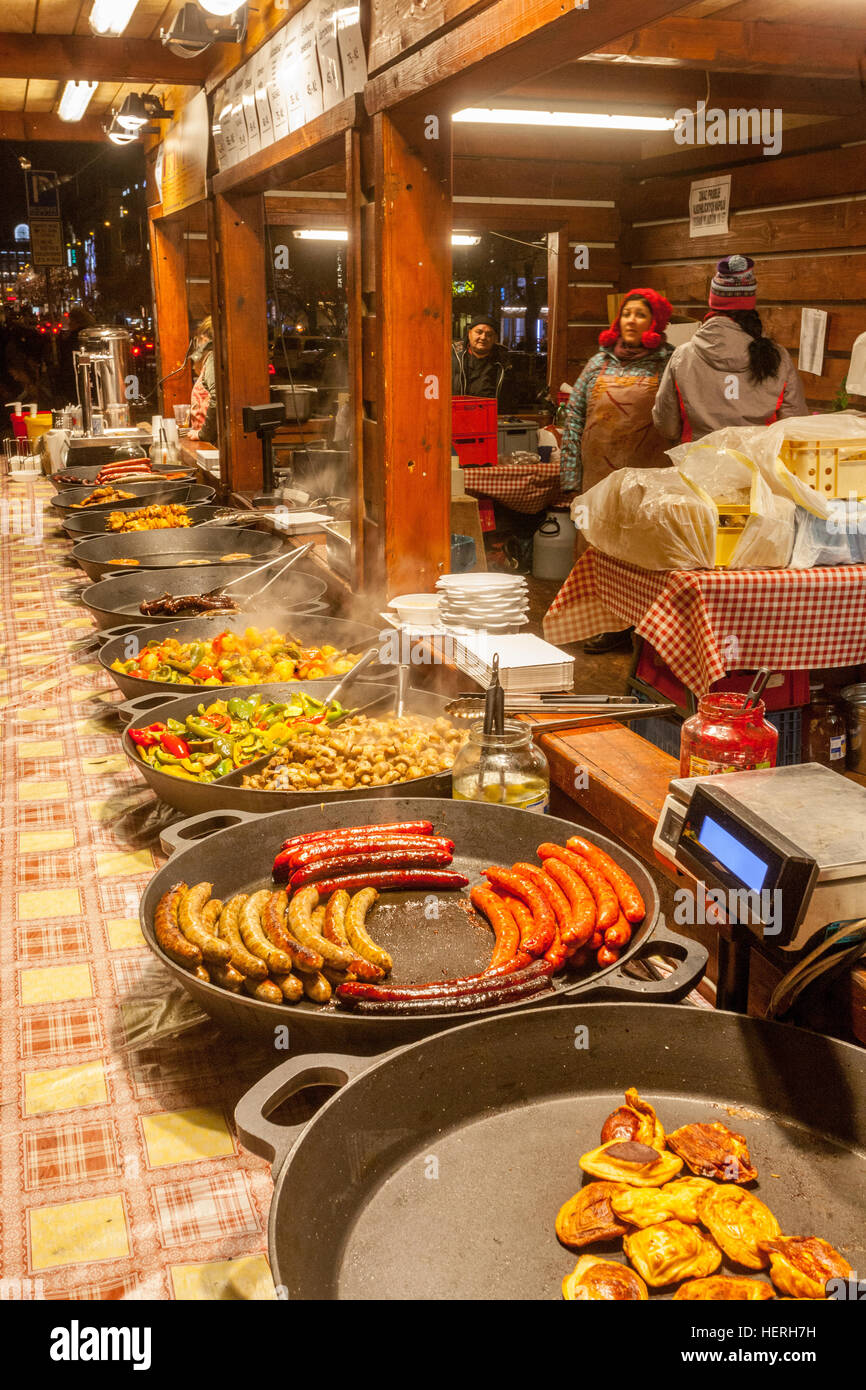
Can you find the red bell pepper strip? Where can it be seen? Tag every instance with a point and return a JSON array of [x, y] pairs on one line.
[[177, 747], [204, 673]]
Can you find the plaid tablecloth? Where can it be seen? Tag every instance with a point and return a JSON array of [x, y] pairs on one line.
[[523, 488], [121, 1173], [706, 622]]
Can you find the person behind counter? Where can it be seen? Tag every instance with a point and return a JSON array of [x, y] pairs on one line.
[[202, 411], [609, 417], [478, 363], [728, 373]]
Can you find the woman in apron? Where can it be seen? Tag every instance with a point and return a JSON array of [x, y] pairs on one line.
[[609, 418]]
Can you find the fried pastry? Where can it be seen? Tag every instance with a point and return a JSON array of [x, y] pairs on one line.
[[629, 1162], [671, 1251], [714, 1151], [738, 1221], [603, 1280], [723, 1286], [635, 1120], [587, 1217], [676, 1201], [801, 1266]]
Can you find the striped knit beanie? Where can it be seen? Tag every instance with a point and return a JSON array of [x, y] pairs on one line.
[[734, 285]]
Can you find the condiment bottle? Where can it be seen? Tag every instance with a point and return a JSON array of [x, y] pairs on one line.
[[825, 734], [504, 769], [727, 735]]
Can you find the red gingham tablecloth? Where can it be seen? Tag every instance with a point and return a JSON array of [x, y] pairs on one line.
[[524, 488], [706, 622]]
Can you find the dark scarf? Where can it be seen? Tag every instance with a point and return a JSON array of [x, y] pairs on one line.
[[623, 353]]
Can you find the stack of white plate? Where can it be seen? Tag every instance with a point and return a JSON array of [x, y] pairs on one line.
[[493, 602]]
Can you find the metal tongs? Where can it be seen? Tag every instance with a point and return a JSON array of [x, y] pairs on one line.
[[284, 562], [756, 689]]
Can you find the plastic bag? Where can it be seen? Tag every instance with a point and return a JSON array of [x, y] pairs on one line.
[[761, 445], [839, 539], [724, 475], [649, 517]]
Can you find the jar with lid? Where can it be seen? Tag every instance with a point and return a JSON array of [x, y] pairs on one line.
[[726, 736], [825, 732], [504, 769]]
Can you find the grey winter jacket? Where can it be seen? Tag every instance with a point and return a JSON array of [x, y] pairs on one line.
[[706, 385]]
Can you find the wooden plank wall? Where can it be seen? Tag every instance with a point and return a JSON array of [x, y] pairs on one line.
[[801, 216]]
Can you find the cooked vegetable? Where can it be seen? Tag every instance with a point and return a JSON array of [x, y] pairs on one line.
[[251, 657]]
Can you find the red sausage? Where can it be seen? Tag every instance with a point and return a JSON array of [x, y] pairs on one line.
[[325, 849], [556, 952], [582, 902], [607, 906], [352, 863], [498, 914], [439, 989], [408, 827], [555, 897], [626, 889], [525, 889], [395, 878], [619, 935], [505, 993]]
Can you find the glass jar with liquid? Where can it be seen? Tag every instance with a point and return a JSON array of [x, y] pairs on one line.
[[505, 769]]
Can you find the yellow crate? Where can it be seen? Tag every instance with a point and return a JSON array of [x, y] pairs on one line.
[[834, 469], [732, 521]]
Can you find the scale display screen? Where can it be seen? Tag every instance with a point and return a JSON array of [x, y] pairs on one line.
[[733, 854]]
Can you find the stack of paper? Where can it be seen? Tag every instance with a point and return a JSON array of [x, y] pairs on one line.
[[525, 662]]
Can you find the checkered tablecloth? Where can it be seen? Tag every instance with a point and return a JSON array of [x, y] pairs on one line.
[[523, 488], [122, 1176], [703, 623]]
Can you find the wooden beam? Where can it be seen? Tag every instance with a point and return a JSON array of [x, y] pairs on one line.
[[677, 159], [413, 318], [558, 264], [86, 58], [44, 125], [168, 263], [242, 325], [721, 45], [507, 43], [315, 146], [355, 305]]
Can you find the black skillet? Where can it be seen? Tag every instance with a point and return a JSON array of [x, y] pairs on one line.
[[436, 1172], [97, 555], [228, 793], [429, 935], [92, 522], [118, 598], [68, 502]]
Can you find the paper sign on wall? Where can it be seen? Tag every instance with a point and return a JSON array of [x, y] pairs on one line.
[[248, 97], [276, 92], [311, 79], [813, 332], [329, 53], [351, 44], [709, 205], [261, 68], [238, 120], [291, 75]]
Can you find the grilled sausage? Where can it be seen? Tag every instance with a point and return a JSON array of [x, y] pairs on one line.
[[265, 990], [357, 932], [318, 918], [505, 930], [619, 935], [557, 900], [300, 921], [367, 841], [504, 993], [274, 927], [189, 916], [631, 902], [254, 938], [409, 827], [606, 902], [441, 989], [243, 960], [227, 977], [525, 889], [583, 910], [353, 863], [169, 935], [201, 972], [290, 986], [334, 929], [210, 915], [317, 988], [397, 879]]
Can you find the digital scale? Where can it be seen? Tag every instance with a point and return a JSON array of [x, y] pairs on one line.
[[782, 850]]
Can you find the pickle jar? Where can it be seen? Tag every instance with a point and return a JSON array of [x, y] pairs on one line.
[[727, 736], [825, 733], [505, 769]]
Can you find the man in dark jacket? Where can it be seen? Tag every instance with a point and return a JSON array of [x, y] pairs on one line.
[[478, 363]]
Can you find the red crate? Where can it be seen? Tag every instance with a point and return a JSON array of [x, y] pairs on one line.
[[477, 451], [786, 690], [486, 514], [472, 416]]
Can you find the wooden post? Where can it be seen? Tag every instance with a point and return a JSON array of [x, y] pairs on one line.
[[557, 309], [240, 332], [354, 295], [168, 259], [412, 344]]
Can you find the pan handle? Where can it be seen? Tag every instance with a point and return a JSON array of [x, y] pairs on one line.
[[188, 832], [106, 634], [142, 704], [692, 961], [275, 1142]]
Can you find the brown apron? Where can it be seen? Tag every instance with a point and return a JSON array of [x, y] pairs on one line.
[[619, 430]]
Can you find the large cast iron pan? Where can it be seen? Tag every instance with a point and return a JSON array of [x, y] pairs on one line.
[[94, 522], [118, 598], [437, 1172], [313, 631], [227, 793], [240, 859], [97, 555], [68, 501]]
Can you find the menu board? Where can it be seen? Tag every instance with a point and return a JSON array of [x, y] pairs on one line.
[[329, 53], [310, 65], [184, 178], [311, 80]]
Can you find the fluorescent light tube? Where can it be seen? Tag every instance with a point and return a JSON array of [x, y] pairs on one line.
[[582, 120], [74, 101], [111, 16]]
